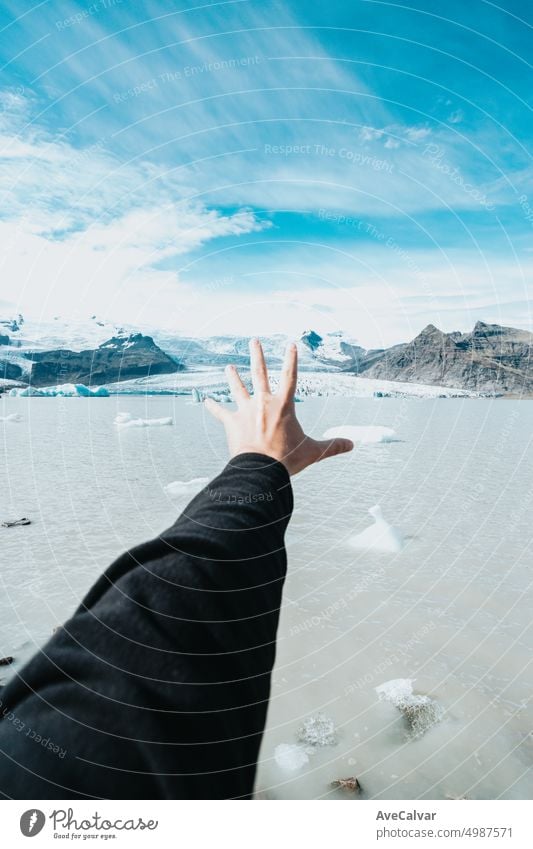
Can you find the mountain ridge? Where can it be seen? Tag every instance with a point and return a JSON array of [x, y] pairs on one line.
[[491, 358]]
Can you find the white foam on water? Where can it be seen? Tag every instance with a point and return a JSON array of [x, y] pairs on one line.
[[123, 420], [380, 536], [362, 434], [13, 417], [291, 756], [180, 489]]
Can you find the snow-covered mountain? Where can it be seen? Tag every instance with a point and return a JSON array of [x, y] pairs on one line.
[[489, 359], [329, 351]]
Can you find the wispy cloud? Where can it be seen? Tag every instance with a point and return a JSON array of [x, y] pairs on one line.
[[145, 154]]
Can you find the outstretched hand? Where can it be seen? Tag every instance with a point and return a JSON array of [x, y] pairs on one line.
[[265, 423]]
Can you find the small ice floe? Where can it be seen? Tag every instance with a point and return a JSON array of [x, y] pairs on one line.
[[420, 712], [362, 435], [13, 417], [185, 489], [291, 756], [123, 420], [380, 536], [318, 730]]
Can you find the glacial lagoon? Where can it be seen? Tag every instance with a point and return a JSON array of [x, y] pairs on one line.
[[446, 618]]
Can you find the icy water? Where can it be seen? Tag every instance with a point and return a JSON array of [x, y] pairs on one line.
[[451, 611]]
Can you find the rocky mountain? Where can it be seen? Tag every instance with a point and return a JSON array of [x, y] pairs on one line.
[[490, 358], [119, 358]]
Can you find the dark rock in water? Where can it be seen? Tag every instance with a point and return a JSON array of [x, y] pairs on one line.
[[5, 661], [16, 523], [120, 358], [350, 784]]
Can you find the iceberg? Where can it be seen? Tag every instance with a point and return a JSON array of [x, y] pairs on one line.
[[65, 390], [380, 536], [124, 420], [363, 435], [420, 712], [291, 756], [185, 489], [318, 730]]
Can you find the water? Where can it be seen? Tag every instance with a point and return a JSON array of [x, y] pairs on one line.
[[451, 610]]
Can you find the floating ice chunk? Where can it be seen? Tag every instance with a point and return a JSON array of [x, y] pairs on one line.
[[380, 536], [396, 690], [12, 417], [420, 712], [123, 420], [363, 435], [181, 489], [291, 756], [318, 730], [64, 390]]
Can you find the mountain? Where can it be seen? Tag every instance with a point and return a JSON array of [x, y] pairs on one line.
[[123, 357], [120, 358], [490, 358]]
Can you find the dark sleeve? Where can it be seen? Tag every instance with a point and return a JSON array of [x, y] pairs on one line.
[[158, 686]]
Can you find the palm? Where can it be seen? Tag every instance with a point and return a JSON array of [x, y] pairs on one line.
[[265, 422]]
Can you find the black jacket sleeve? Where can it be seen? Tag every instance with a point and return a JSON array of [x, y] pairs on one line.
[[158, 686]]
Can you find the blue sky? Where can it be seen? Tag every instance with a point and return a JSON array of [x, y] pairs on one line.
[[253, 167]]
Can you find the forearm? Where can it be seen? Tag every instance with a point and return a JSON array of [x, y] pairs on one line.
[[164, 670]]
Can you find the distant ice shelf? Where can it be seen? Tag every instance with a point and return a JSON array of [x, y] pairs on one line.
[[212, 382]]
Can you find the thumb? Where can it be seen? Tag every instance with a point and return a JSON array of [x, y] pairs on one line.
[[331, 447], [215, 409]]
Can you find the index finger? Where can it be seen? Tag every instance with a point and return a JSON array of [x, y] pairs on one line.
[[289, 375], [258, 367]]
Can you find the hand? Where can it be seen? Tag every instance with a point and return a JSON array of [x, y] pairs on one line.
[[266, 423]]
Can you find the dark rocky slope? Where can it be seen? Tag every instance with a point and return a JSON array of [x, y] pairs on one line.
[[490, 358], [120, 358]]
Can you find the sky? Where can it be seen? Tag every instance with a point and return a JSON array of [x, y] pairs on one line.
[[253, 167]]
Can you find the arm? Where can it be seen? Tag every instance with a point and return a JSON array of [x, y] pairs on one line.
[[158, 686]]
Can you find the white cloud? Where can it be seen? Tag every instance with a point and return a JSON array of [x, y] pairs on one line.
[[456, 117]]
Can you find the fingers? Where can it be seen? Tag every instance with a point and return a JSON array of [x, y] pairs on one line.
[[289, 374], [331, 447], [216, 409], [239, 391], [258, 367]]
